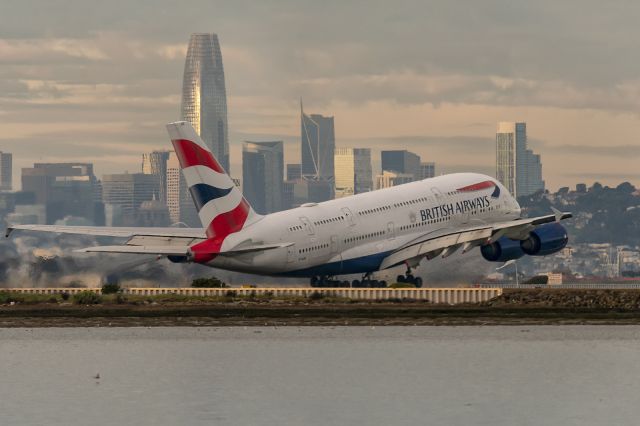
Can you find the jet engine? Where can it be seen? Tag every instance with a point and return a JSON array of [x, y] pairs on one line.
[[545, 239], [502, 250]]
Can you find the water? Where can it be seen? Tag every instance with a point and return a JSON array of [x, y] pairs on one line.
[[573, 375]]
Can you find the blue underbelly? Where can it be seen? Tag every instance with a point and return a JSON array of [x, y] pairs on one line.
[[358, 265]]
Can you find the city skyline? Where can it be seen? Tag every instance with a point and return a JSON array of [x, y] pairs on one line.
[[105, 88]]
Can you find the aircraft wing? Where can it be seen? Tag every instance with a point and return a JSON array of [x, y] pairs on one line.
[[157, 241], [448, 241], [105, 231]]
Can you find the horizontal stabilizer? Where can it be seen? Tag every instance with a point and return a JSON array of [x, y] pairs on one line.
[[106, 231], [159, 250]]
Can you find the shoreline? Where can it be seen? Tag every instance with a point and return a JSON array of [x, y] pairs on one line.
[[512, 307], [34, 316]]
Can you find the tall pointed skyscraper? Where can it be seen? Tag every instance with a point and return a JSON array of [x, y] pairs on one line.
[[318, 147], [204, 98]]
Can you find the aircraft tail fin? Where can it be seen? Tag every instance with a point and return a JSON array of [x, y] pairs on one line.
[[221, 206]]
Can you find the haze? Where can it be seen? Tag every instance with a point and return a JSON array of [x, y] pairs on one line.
[[97, 81]]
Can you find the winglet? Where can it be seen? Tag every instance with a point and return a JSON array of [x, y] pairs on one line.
[[8, 232], [558, 214]]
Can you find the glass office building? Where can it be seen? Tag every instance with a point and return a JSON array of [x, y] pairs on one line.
[[518, 168], [263, 175], [353, 174]]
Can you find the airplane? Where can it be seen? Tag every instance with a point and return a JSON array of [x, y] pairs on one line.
[[359, 234]]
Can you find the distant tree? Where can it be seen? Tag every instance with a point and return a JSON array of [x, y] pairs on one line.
[[111, 288], [626, 188], [212, 282]]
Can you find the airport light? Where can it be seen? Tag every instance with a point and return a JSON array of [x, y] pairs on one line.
[[509, 263]]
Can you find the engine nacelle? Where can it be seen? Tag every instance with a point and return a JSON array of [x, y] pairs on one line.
[[503, 250], [545, 239]]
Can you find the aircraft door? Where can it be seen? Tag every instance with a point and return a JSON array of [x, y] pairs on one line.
[[334, 244], [348, 215], [465, 218], [391, 231], [437, 193], [308, 226], [291, 253]]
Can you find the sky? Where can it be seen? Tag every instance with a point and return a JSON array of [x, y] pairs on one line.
[[96, 81]]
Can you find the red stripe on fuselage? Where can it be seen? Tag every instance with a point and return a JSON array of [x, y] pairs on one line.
[[478, 186], [190, 154], [219, 228]]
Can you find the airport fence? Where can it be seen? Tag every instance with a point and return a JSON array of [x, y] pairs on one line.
[[585, 286], [434, 295]]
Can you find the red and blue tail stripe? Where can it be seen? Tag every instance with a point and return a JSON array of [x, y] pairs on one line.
[[221, 207]]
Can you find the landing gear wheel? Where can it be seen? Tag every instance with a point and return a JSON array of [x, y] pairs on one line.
[[314, 282], [400, 279], [355, 283], [418, 282]]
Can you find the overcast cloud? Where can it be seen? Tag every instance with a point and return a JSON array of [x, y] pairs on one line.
[[96, 81]]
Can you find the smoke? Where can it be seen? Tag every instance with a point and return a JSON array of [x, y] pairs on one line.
[[48, 260], [457, 269]]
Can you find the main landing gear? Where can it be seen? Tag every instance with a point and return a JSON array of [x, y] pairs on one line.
[[409, 278], [328, 282], [365, 282]]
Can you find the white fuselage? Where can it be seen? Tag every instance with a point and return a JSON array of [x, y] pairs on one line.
[[353, 234]]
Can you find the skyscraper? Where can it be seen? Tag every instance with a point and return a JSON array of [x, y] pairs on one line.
[[318, 145], [518, 168], [353, 174], [388, 179], [65, 189], [427, 170], [401, 161], [262, 175], [204, 98], [127, 192], [155, 163], [294, 171], [179, 202], [6, 170]]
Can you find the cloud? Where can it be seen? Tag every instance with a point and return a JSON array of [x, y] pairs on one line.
[[444, 71], [20, 51], [615, 151]]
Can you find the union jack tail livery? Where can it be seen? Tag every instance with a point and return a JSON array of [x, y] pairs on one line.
[[221, 207]]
